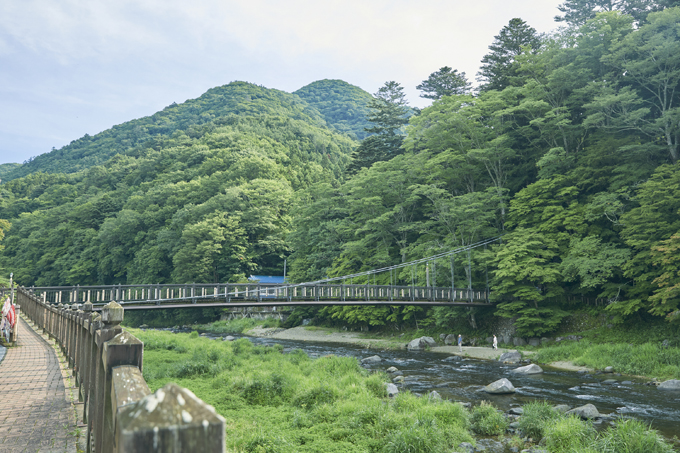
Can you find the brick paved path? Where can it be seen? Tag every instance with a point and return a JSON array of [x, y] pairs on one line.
[[36, 414]]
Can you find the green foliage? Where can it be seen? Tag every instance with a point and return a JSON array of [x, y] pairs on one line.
[[389, 113], [343, 106], [568, 435], [499, 68], [632, 436], [536, 417], [444, 82], [646, 359], [329, 404], [201, 204], [487, 421]]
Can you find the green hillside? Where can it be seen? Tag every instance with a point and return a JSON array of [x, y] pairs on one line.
[[342, 105], [203, 192], [7, 168], [236, 98]]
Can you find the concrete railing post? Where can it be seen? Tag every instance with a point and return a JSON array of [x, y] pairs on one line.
[[171, 419], [122, 350], [112, 316]]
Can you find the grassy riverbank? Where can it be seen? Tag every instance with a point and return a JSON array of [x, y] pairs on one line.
[[284, 403]]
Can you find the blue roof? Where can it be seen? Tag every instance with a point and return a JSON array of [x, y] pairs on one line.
[[267, 278]]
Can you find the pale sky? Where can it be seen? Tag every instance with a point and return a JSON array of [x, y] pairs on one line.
[[71, 67]]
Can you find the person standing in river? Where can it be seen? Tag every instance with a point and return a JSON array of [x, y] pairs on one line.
[[460, 342], [495, 342]]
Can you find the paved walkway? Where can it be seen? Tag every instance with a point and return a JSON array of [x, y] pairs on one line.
[[36, 414]]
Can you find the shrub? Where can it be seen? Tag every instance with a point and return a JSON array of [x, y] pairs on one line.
[[536, 416], [632, 436], [376, 385], [320, 394], [487, 421], [269, 390], [417, 438], [568, 434]]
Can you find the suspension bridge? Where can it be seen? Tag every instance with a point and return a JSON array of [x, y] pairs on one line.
[[352, 289]]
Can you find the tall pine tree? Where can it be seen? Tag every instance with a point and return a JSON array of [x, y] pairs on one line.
[[499, 68], [444, 82], [389, 114]]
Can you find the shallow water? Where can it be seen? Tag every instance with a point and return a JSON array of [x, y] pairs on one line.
[[461, 381]]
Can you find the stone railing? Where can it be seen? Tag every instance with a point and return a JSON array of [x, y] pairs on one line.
[[121, 413]]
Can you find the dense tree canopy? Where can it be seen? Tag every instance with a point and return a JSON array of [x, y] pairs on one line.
[[444, 82], [569, 151]]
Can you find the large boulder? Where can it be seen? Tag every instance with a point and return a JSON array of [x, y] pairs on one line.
[[429, 341], [450, 339], [534, 341], [519, 341], [421, 343], [501, 386], [529, 369], [586, 412], [672, 384], [414, 345], [371, 359], [392, 390], [510, 357]]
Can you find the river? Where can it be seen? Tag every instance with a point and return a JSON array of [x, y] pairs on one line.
[[461, 381]]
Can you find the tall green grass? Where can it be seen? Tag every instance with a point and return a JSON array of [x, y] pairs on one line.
[[275, 402], [285, 403], [237, 326], [647, 359]]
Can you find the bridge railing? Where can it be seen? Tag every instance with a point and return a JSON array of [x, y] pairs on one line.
[[121, 413], [160, 293]]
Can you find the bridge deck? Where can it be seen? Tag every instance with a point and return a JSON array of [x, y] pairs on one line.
[[35, 410], [150, 305]]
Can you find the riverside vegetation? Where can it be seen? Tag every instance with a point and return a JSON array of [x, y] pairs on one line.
[[569, 149], [286, 402]]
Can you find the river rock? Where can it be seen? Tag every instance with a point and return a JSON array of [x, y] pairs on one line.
[[143, 326], [398, 379], [672, 384], [392, 390], [453, 358], [392, 369], [534, 341], [529, 369], [490, 446], [562, 408], [429, 341], [501, 386], [466, 447], [510, 357], [371, 359], [414, 345], [450, 339], [516, 411], [609, 381], [586, 412], [627, 383], [434, 396], [609, 369]]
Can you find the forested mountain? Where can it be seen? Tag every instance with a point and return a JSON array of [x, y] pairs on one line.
[[574, 161], [343, 106], [569, 151], [237, 98], [6, 168], [207, 197]]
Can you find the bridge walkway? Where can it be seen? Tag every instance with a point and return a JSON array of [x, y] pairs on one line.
[[36, 413]]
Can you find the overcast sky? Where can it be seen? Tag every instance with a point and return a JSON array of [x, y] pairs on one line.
[[71, 67]]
